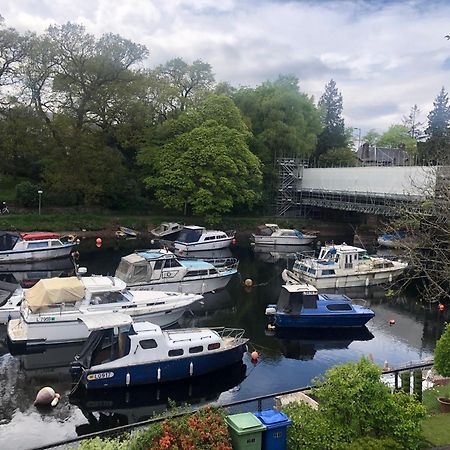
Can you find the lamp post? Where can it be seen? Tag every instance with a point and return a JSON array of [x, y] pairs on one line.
[[40, 194]]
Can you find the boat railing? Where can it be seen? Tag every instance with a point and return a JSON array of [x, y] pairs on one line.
[[305, 254], [230, 233], [225, 332]]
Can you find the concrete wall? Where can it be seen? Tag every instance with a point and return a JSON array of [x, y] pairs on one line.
[[406, 180]]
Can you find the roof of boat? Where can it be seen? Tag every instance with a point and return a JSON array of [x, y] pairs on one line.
[[189, 263], [194, 227], [300, 287], [345, 247], [35, 235], [146, 326], [156, 253], [105, 321], [98, 283], [271, 225]]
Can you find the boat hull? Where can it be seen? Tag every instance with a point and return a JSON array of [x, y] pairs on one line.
[[36, 254], [29, 334], [169, 370], [201, 246], [282, 240], [322, 321]]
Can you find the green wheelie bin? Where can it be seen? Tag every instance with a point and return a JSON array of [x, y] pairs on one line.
[[245, 431]]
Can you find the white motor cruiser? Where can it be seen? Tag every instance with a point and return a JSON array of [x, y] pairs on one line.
[[167, 230], [160, 269], [340, 266], [272, 234], [36, 246], [193, 238], [11, 295], [53, 310]]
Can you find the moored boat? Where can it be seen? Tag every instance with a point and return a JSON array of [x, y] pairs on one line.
[[301, 306], [194, 238], [160, 269], [141, 353], [11, 295], [53, 311], [272, 234], [340, 266], [167, 230], [36, 246]]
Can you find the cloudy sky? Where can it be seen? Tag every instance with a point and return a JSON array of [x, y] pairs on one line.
[[384, 55]]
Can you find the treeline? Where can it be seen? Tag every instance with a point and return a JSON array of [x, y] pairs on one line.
[[84, 120]]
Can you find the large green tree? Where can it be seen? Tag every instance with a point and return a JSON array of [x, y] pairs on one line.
[[437, 146], [333, 134], [396, 136], [206, 166]]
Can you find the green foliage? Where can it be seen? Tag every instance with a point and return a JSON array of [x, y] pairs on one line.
[[338, 157], [26, 194], [442, 353], [396, 136], [430, 397], [371, 137], [103, 444], [370, 443], [140, 440], [311, 430], [436, 431], [354, 404]]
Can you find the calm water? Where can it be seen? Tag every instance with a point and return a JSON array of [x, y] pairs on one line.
[[286, 362]]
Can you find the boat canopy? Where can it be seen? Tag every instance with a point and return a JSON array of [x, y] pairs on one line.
[[292, 300], [52, 291], [133, 268], [190, 234], [38, 235], [8, 240], [105, 321]]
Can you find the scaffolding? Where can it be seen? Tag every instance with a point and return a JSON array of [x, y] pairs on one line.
[[290, 171]]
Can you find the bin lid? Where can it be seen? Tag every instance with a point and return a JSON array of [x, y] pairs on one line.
[[245, 423], [272, 418]]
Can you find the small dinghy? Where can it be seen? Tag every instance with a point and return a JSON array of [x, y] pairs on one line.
[[167, 230], [120, 353], [126, 232]]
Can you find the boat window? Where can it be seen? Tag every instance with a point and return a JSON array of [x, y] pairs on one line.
[[310, 301], [196, 273], [209, 238], [213, 271], [111, 347], [221, 236], [214, 346], [363, 255], [197, 349], [158, 264], [104, 298], [148, 343], [189, 235], [176, 352], [339, 307], [172, 263], [311, 271], [140, 271], [328, 272], [8, 240], [122, 269], [56, 244], [32, 245]]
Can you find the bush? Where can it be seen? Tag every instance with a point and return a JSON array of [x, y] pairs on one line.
[[442, 353], [370, 443], [26, 194]]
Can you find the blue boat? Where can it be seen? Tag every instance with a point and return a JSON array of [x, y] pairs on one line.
[[301, 306], [141, 353]]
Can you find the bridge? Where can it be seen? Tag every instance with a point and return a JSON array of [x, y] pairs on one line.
[[379, 190]]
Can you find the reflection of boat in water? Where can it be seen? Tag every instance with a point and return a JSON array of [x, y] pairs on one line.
[[303, 344], [107, 408], [275, 253], [28, 274]]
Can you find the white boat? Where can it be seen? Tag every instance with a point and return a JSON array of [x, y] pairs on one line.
[[53, 309], [340, 266], [11, 295], [193, 238], [167, 230], [396, 240], [120, 354], [279, 253], [160, 269], [272, 234], [19, 247]]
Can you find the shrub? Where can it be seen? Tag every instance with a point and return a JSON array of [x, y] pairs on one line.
[[442, 353], [370, 443], [26, 194]]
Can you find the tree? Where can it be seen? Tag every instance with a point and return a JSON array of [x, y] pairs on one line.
[[397, 136], [208, 168], [437, 146], [371, 137], [338, 157], [412, 123], [333, 134], [442, 353]]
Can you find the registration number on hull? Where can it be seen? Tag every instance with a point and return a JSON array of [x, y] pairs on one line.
[[99, 376]]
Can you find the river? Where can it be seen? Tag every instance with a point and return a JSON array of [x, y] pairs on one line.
[[285, 362]]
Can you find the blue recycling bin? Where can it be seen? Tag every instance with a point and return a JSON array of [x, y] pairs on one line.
[[276, 422]]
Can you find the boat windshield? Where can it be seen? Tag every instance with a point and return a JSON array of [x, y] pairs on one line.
[[293, 302], [363, 255], [122, 269], [189, 235], [104, 298], [8, 240]]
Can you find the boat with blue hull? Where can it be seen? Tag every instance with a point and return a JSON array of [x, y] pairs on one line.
[[142, 353], [301, 306]]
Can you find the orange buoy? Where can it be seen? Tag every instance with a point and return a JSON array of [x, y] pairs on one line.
[[392, 322], [441, 307], [233, 241], [98, 241], [248, 282], [254, 355]]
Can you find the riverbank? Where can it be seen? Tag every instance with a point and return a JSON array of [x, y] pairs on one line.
[[106, 224]]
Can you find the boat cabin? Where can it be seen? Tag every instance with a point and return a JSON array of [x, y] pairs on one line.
[[295, 297], [8, 240], [193, 233]]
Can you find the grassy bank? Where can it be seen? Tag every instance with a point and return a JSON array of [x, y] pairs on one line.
[[73, 220]]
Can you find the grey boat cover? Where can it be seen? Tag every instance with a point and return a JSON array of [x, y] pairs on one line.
[[141, 270], [53, 291], [8, 240]]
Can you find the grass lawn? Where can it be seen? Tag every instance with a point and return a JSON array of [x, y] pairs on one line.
[[436, 430], [429, 398]]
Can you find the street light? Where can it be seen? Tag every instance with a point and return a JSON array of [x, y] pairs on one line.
[[40, 194]]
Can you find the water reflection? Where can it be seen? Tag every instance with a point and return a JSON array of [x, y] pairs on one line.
[[280, 253], [113, 407], [303, 345]]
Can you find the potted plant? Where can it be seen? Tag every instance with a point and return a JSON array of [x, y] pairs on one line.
[[442, 363]]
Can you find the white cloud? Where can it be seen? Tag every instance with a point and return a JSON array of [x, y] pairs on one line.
[[385, 56]]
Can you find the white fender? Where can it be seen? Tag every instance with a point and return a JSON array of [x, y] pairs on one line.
[[158, 374], [128, 379], [191, 368]]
